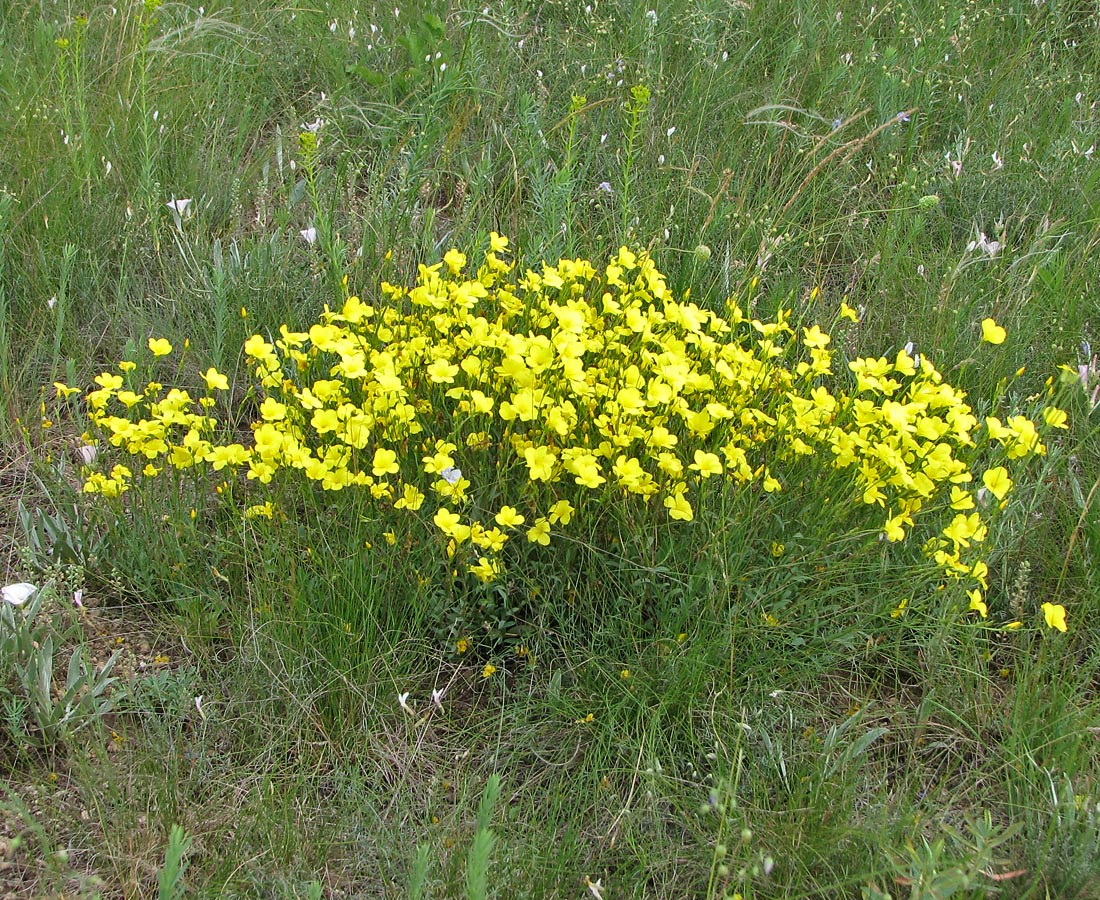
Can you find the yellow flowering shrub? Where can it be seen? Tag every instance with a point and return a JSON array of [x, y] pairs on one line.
[[508, 409]]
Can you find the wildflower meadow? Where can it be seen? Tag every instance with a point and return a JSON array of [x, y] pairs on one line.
[[561, 449]]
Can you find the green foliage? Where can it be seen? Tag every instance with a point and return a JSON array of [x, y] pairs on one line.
[[170, 883], [768, 164], [481, 847], [44, 708]]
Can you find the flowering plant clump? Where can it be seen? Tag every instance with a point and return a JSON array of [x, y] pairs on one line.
[[506, 408]]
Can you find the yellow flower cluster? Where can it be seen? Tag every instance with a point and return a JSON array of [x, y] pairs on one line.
[[570, 384]]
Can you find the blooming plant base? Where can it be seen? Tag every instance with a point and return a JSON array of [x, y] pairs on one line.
[[510, 413]]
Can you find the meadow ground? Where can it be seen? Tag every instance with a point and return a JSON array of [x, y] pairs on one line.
[[756, 560]]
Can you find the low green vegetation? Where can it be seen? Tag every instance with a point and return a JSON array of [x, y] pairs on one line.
[[549, 450]]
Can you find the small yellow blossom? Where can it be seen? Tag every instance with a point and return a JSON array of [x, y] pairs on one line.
[[997, 481], [488, 670], [992, 333], [215, 381], [159, 346], [508, 517], [539, 533], [1055, 615], [1055, 417]]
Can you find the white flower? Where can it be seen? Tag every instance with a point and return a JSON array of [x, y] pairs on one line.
[[437, 697], [651, 17], [594, 887], [198, 707], [670, 131], [19, 593], [403, 702], [451, 475], [604, 186], [78, 598], [985, 245], [998, 163], [314, 126], [903, 117], [309, 235], [180, 207], [87, 454]]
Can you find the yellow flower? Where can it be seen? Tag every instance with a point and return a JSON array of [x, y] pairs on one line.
[[1055, 418], [455, 261], [1055, 615], [540, 462], [539, 533], [462, 645], [445, 520], [159, 346], [488, 670], [977, 604], [385, 463], [706, 464], [63, 390], [411, 499], [562, 512], [815, 337], [997, 481], [992, 333], [215, 381], [486, 570], [679, 508], [508, 517], [961, 499], [442, 372]]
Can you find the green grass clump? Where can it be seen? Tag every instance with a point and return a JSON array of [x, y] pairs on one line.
[[573, 394]]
